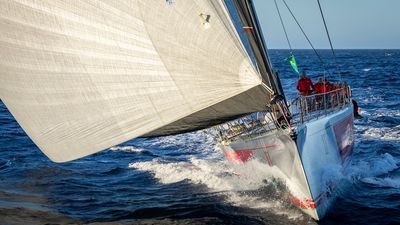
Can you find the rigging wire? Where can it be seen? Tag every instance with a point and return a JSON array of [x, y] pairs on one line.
[[305, 35], [283, 26], [329, 38]]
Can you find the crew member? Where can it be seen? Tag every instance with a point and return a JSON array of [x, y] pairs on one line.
[[319, 86], [328, 86], [355, 108], [304, 85]]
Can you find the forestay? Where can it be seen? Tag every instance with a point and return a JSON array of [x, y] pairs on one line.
[[81, 76]]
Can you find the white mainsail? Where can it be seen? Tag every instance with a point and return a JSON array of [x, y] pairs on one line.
[[82, 76]]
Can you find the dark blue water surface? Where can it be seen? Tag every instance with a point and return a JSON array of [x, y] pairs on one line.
[[184, 179]]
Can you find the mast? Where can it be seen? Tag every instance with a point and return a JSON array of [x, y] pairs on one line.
[[248, 17]]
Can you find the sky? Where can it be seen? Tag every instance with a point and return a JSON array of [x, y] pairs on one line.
[[352, 24]]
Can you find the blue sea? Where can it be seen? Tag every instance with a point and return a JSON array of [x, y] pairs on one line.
[[185, 179]]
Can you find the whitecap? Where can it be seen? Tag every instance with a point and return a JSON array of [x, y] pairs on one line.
[[216, 175], [375, 166], [383, 182], [127, 149], [222, 177], [382, 133]]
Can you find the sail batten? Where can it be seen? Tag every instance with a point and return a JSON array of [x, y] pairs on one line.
[[82, 76]]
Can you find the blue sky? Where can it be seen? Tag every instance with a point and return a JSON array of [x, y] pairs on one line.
[[352, 24]]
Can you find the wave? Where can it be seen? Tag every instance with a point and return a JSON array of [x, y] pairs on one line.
[[127, 149], [372, 99], [199, 142], [375, 166], [378, 112], [217, 176], [382, 133], [382, 182], [244, 189]]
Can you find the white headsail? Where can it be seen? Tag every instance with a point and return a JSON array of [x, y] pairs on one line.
[[81, 76]]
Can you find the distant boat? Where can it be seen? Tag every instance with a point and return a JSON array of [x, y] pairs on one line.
[[82, 76]]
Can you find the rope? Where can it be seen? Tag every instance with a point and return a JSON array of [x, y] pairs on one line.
[[283, 26], [329, 38], [305, 35]]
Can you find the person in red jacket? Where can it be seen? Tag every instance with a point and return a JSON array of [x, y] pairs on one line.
[[328, 86], [304, 85], [319, 86]]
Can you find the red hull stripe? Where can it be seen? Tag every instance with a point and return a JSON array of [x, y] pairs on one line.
[[303, 204], [242, 155]]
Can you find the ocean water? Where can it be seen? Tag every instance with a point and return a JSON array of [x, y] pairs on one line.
[[184, 179]]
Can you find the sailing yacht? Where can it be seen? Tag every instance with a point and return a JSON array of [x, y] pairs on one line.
[[80, 77]]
